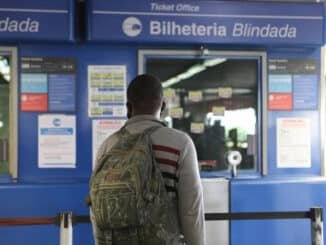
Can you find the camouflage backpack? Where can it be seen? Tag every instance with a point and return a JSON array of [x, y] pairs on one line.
[[128, 190]]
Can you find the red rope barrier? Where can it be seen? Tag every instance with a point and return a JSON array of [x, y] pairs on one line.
[[27, 221]]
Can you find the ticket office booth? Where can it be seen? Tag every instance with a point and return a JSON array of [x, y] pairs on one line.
[[237, 77]]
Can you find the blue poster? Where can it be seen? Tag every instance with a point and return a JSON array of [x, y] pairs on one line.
[[62, 92], [34, 83], [280, 83], [305, 92]]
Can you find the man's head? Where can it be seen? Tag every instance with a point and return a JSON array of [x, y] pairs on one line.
[[145, 96]]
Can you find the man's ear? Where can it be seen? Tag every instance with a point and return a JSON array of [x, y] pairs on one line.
[[129, 109], [163, 106]]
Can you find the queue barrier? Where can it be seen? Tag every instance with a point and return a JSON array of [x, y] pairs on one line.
[[66, 221]]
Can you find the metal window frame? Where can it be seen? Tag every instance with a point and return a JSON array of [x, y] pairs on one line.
[[322, 109], [13, 110], [142, 53]]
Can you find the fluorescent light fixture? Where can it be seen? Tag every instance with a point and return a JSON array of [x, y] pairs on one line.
[[193, 70], [170, 82], [213, 62]]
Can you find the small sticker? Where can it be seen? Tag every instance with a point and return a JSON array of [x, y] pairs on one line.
[[195, 95], [225, 93], [197, 128], [218, 110], [176, 112], [169, 93]]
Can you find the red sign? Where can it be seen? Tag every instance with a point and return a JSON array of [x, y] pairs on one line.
[[280, 102], [34, 102]]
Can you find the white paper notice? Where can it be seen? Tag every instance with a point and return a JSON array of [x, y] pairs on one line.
[[293, 143], [56, 141], [106, 91], [195, 96], [197, 128], [101, 130]]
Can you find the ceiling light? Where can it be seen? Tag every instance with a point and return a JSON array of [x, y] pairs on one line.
[[213, 62], [193, 70]]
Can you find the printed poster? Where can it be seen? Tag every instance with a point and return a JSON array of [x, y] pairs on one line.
[[293, 143], [106, 91], [56, 141], [101, 130]]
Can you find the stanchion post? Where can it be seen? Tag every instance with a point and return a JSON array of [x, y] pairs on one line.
[[66, 228], [317, 235]]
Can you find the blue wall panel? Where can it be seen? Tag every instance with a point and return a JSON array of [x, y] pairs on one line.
[[85, 55], [42, 200], [275, 195], [313, 115], [37, 235]]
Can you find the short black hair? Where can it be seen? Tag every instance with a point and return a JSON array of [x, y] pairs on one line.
[[144, 89]]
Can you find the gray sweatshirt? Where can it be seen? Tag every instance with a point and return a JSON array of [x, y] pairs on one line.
[[176, 156]]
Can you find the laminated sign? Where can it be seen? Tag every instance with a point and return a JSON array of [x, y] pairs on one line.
[[56, 141]]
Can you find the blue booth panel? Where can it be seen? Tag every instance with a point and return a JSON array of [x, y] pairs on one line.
[[269, 195], [42, 200]]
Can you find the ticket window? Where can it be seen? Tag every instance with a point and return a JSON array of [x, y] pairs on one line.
[[8, 115], [214, 99]]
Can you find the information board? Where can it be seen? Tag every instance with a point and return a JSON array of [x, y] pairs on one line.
[[292, 84], [50, 78]]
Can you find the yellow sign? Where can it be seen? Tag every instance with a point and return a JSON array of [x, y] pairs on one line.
[[218, 110]]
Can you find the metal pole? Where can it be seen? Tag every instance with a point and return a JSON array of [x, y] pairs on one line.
[[317, 235], [66, 228]]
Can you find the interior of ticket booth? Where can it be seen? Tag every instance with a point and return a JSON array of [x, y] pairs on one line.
[[206, 95]]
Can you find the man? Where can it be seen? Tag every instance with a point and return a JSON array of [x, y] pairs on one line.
[[174, 153]]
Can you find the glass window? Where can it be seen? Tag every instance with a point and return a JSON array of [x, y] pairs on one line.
[[4, 113], [214, 100]]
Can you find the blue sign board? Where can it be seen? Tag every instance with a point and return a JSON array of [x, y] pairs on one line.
[[62, 92], [36, 20], [280, 83], [305, 92], [205, 22], [34, 83]]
